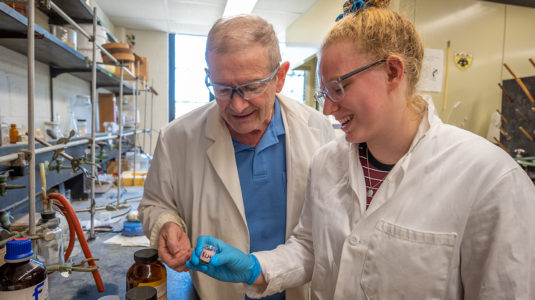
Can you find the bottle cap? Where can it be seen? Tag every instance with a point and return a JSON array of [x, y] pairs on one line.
[[17, 249], [132, 228], [48, 215], [146, 256], [141, 293]]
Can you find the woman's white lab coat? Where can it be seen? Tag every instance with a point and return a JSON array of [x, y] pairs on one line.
[[193, 181], [454, 219]]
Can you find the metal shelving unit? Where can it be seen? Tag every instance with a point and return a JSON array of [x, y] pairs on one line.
[[20, 34], [53, 52]]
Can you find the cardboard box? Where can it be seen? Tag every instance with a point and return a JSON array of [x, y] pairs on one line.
[[107, 110]]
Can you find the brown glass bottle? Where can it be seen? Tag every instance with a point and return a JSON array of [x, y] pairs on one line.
[[147, 271], [13, 134], [22, 277]]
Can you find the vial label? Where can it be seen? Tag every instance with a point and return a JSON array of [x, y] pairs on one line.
[[36, 292], [206, 255], [160, 286]]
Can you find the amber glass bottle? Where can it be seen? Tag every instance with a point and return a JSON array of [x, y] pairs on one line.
[[13, 134], [147, 271], [22, 277]]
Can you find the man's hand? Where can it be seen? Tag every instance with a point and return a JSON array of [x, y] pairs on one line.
[[174, 247]]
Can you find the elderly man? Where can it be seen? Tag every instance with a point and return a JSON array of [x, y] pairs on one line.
[[236, 168]]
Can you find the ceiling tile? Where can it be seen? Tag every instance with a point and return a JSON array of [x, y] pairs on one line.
[[132, 9], [293, 6], [194, 16]]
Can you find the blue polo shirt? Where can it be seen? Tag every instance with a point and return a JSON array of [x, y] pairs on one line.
[[262, 172]]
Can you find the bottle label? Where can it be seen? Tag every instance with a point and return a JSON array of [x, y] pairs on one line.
[[160, 286], [36, 292]]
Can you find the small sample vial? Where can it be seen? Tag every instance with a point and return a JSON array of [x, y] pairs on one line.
[[207, 254]]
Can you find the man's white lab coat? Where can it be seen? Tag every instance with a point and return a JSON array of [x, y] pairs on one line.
[[193, 181], [454, 219]]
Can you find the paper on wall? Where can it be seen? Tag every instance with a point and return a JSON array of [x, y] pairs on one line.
[[432, 71]]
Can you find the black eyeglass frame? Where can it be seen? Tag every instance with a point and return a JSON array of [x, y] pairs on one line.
[[238, 88], [321, 94]]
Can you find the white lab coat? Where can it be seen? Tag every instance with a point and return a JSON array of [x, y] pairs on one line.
[[454, 219], [193, 181]]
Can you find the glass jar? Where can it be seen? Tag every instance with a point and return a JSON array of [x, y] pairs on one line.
[[4, 134], [81, 124], [50, 247], [147, 271], [52, 130], [130, 115], [142, 161]]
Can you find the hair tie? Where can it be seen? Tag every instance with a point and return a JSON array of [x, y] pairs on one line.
[[353, 6]]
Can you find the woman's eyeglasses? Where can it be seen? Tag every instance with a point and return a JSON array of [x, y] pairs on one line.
[[334, 88]]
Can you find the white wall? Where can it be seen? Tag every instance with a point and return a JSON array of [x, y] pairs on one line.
[[154, 46], [311, 28], [14, 90], [493, 33]]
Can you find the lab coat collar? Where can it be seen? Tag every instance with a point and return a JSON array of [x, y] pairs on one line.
[[221, 156], [356, 180]]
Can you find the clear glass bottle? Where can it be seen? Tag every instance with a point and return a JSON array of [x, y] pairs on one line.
[[50, 247], [22, 277], [4, 134], [52, 130], [81, 124], [73, 126], [147, 271]]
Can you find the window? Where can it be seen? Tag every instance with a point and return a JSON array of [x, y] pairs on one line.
[[294, 86], [186, 76]]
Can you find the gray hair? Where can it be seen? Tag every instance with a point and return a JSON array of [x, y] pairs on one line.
[[241, 32]]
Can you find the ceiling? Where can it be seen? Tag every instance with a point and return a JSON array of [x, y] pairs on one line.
[[528, 3], [194, 16]]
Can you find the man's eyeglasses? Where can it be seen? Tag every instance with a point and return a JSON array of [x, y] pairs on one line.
[[334, 89], [246, 90]]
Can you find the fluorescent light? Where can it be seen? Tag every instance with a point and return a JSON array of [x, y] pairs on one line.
[[237, 7]]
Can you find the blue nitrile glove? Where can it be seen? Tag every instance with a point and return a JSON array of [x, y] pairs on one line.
[[228, 264]]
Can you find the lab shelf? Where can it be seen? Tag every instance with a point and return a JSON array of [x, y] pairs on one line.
[[51, 51], [15, 200], [78, 10]]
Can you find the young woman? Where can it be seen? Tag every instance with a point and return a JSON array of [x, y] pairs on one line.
[[405, 207]]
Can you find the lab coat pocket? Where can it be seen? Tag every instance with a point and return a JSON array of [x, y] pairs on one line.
[[403, 263]]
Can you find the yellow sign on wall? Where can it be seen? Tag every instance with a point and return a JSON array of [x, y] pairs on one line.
[[463, 60]]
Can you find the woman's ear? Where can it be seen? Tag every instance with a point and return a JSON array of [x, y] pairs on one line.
[[395, 71]]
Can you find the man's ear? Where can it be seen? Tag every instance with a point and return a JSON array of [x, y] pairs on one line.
[[281, 75], [395, 71]]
